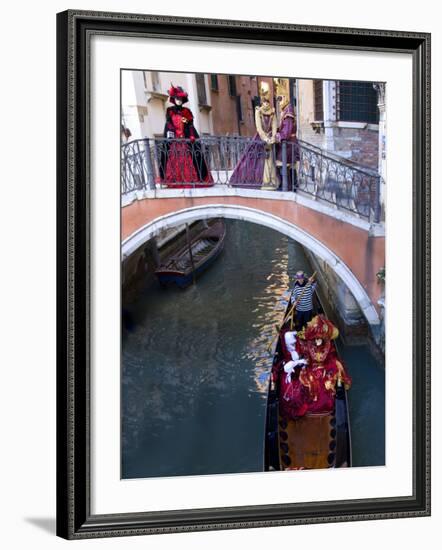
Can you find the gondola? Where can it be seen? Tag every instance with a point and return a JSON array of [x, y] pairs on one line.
[[184, 265], [311, 441]]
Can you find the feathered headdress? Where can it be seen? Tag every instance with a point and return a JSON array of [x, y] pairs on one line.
[[176, 92], [281, 87], [264, 91], [319, 327]]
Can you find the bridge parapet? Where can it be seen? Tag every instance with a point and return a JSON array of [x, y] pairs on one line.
[[353, 253], [318, 175]]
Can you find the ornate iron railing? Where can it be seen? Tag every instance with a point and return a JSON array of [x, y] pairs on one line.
[[239, 162], [137, 170], [339, 182]]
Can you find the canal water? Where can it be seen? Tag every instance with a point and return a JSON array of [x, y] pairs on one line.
[[195, 366]]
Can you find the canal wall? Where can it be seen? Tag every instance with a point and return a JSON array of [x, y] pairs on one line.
[[342, 308], [138, 269]]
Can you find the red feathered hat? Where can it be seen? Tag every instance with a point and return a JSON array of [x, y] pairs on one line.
[[320, 327], [176, 92]]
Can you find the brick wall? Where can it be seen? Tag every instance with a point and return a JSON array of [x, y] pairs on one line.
[[357, 144], [224, 108], [306, 133]]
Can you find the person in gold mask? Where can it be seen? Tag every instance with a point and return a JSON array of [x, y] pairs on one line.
[[257, 166], [286, 132]]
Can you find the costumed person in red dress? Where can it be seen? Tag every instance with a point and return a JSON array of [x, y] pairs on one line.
[[325, 371], [308, 385], [181, 160]]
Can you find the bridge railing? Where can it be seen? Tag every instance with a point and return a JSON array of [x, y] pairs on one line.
[[339, 182], [153, 163]]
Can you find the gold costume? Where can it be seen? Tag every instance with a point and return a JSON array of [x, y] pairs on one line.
[[266, 126]]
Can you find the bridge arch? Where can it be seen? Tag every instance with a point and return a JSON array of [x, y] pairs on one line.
[[191, 214]]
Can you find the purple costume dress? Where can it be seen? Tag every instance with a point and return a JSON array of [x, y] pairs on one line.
[[287, 132], [257, 168]]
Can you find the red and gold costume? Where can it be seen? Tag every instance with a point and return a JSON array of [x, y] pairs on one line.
[[311, 389], [182, 163]]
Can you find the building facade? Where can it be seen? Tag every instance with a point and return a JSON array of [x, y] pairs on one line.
[[145, 101], [221, 104], [342, 117]]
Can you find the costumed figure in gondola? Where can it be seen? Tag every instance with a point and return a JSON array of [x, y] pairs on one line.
[[257, 166], [286, 133], [181, 160], [293, 394], [309, 381]]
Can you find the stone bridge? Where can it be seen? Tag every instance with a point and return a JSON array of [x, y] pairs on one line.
[[354, 248]]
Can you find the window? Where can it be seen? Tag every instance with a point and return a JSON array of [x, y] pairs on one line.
[[232, 85], [201, 89], [239, 109], [214, 82], [318, 100], [357, 102]]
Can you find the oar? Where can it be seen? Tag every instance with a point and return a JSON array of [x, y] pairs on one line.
[[291, 311]]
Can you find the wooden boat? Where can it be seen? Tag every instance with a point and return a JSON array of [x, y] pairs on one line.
[[310, 441], [194, 257]]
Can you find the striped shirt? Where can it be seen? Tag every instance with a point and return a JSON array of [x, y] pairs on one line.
[[306, 300]]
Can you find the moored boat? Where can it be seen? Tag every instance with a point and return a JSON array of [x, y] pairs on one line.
[[195, 256], [307, 420]]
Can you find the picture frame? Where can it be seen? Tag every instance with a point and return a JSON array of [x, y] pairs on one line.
[[74, 32]]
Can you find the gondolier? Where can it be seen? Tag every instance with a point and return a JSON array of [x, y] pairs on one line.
[[302, 295]]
